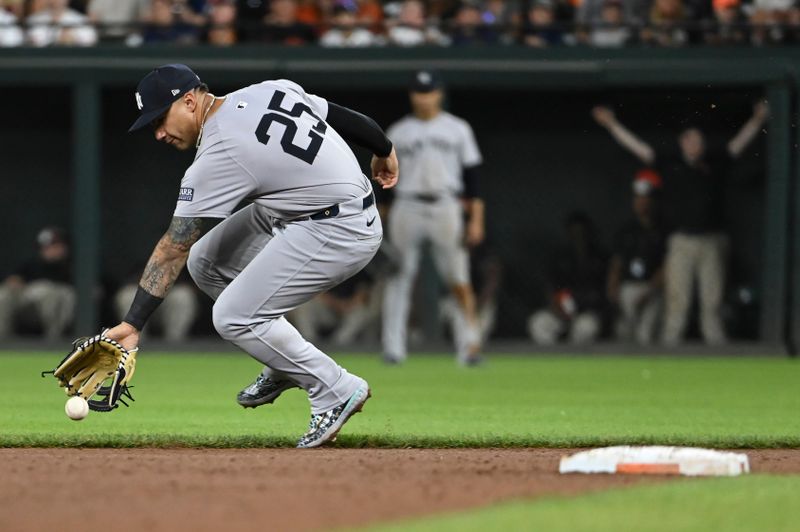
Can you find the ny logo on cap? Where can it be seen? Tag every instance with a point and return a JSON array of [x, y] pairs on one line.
[[424, 77], [139, 103]]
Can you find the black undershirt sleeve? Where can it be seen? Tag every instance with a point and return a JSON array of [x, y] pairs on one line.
[[359, 129], [470, 177]]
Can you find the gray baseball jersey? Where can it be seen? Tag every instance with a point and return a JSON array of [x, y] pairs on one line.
[[269, 144], [433, 153]]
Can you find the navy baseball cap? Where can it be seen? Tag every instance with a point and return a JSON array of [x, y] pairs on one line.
[[426, 81], [159, 89]]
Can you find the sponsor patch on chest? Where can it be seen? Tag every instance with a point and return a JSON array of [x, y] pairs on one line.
[[186, 194]]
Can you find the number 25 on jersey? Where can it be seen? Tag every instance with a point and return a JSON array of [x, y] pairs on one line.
[[287, 117]]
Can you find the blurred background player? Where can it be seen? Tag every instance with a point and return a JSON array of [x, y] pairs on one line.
[[440, 158], [40, 292], [636, 270], [693, 201], [575, 289]]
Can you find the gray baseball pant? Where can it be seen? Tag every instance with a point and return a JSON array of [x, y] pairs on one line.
[[257, 269]]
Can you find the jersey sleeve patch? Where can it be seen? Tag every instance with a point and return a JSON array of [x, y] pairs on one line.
[[186, 194]]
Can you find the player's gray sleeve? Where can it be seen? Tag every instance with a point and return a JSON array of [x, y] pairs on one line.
[[317, 103], [470, 153], [213, 186]]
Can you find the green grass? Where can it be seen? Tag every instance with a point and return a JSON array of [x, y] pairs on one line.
[[754, 503], [184, 399]]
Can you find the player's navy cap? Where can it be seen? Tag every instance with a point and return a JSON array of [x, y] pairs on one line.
[[426, 81], [159, 89]]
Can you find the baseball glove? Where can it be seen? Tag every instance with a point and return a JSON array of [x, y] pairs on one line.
[[91, 362]]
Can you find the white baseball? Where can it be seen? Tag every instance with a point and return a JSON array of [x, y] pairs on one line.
[[76, 408]]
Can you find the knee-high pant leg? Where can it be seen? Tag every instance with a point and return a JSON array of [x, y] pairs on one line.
[[407, 233]]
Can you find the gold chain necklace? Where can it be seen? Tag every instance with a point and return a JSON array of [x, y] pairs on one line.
[[203, 121]]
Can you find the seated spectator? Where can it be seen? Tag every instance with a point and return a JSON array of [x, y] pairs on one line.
[[612, 30], [667, 24], [176, 314], [590, 12], [540, 29], [281, 25], [345, 32], [10, 32], [768, 18], [222, 23], [411, 27], [172, 21], [370, 15], [118, 20], [469, 27], [345, 314], [729, 25], [40, 293], [250, 17], [505, 17], [57, 24], [576, 290], [314, 13], [15, 7], [636, 272]]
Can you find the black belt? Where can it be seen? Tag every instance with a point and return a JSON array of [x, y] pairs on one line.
[[333, 210], [424, 198]]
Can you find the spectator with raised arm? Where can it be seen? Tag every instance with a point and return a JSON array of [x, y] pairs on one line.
[[694, 178]]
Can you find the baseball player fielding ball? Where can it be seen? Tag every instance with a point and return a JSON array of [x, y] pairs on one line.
[[311, 223]]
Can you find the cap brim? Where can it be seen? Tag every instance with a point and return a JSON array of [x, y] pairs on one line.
[[148, 117]]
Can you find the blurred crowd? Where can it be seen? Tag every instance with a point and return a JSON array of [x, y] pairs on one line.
[[400, 23]]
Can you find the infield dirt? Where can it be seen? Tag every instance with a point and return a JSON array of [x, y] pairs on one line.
[[283, 489]]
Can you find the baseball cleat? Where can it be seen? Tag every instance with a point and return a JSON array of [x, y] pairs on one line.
[[324, 427], [391, 360], [472, 361], [263, 391]]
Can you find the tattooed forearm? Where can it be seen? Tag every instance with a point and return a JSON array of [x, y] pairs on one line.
[[170, 254], [183, 232]]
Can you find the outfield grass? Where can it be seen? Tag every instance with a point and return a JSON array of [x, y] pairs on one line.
[[184, 399], [755, 503]]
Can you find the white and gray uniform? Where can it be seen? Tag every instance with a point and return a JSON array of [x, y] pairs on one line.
[[427, 207], [269, 144]]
